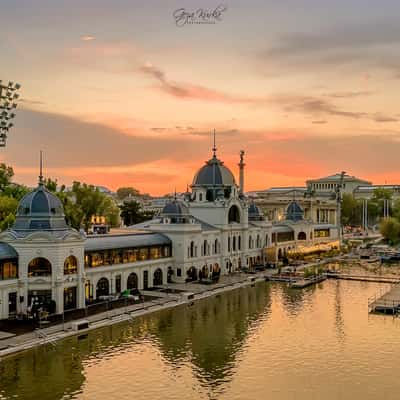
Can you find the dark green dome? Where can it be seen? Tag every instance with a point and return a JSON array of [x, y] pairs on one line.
[[40, 210], [214, 173], [294, 212]]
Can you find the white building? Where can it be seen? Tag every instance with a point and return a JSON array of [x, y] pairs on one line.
[[212, 231]]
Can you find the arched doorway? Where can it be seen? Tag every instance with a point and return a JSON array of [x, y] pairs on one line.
[[39, 267], [133, 281], [158, 277], [102, 288], [234, 214], [191, 274], [302, 236], [70, 265]]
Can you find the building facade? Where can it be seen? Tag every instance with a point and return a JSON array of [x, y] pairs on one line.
[[213, 230]]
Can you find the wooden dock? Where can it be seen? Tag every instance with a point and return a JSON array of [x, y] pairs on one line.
[[388, 302], [365, 278], [302, 283]]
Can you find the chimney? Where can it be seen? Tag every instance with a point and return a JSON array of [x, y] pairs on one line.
[[241, 173]]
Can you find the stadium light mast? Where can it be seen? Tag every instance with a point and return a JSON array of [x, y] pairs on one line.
[[8, 98]]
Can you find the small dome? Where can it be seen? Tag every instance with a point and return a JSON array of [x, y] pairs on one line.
[[294, 212], [175, 208], [40, 210], [255, 213], [214, 173]]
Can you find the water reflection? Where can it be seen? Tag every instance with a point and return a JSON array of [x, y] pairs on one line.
[[208, 335], [211, 333]]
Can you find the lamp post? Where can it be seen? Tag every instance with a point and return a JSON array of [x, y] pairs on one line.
[[8, 97], [339, 199]]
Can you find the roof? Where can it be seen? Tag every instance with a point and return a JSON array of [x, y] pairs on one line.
[[281, 228], [40, 210], [294, 212], [337, 177], [6, 251], [324, 226], [371, 188], [214, 173], [108, 242], [175, 208]]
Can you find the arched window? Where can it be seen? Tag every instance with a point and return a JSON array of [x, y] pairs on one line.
[[216, 246], [70, 265], [250, 242], [234, 243], [192, 249], [39, 267], [234, 214], [258, 241], [229, 244], [205, 245], [266, 240], [302, 236], [239, 242], [158, 277], [132, 282], [102, 287]]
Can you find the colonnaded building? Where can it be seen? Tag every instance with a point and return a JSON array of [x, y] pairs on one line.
[[213, 230]]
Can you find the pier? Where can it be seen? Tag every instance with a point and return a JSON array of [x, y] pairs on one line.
[[364, 278], [388, 302]]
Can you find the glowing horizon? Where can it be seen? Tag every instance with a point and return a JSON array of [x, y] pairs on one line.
[[118, 95]]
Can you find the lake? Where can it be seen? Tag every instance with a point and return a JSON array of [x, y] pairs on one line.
[[262, 342]]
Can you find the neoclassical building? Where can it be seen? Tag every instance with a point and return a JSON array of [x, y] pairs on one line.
[[214, 230]]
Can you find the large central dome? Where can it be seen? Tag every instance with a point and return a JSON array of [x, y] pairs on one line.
[[214, 173]]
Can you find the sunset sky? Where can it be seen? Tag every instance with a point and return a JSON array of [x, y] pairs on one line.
[[116, 94]]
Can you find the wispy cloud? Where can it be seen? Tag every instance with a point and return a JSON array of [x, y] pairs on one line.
[[87, 38], [191, 91], [316, 106]]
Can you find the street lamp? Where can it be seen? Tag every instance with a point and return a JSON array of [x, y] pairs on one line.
[[339, 199], [8, 97]]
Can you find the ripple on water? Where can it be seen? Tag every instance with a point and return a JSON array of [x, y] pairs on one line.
[[254, 343]]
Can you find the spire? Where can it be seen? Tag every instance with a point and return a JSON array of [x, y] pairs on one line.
[[41, 168], [214, 149]]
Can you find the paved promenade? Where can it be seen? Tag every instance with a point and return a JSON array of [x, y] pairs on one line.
[[50, 335]]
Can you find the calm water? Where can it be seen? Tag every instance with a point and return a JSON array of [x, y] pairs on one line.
[[265, 342]]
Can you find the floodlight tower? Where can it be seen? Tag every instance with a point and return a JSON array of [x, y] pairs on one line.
[[8, 98]]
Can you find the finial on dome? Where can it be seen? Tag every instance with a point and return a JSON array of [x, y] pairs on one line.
[[214, 149], [41, 169]]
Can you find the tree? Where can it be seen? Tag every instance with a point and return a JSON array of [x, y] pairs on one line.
[[6, 174], [132, 213], [390, 230], [351, 210], [8, 209], [124, 192], [50, 184]]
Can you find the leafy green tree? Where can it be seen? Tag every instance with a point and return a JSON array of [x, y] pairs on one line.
[[15, 191], [390, 230], [8, 209], [132, 213], [6, 174], [124, 192], [351, 210], [50, 184]]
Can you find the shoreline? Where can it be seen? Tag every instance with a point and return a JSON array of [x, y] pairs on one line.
[[56, 333]]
